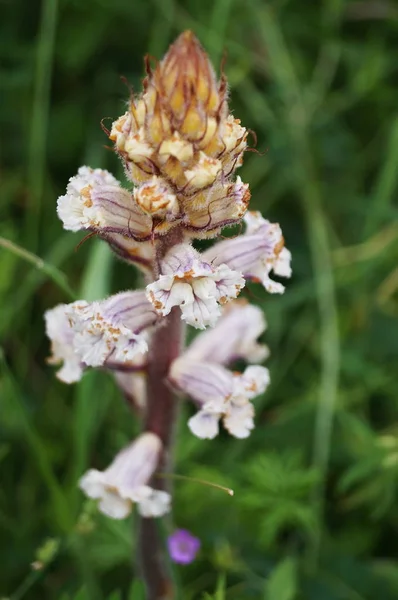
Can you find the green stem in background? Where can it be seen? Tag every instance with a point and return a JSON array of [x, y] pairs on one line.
[[330, 348], [296, 122], [64, 517], [39, 121], [52, 272]]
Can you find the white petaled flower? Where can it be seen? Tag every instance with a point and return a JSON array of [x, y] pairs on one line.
[[256, 253], [195, 285], [58, 330], [111, 330], [220, 394], [95, 200], [239, 327], [125, 481]]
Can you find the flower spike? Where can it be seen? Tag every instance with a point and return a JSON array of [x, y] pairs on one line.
[[180, 148]]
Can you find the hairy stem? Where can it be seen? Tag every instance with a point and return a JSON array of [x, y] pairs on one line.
[[160, 419]]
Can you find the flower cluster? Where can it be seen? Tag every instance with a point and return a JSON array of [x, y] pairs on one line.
[[180, 148]]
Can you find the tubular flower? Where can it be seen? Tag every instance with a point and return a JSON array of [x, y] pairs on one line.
[[219, 394], [239, 328], [96, 202], [125, 481], [179, 129], [84, 334], [196, 286], [256, 253]]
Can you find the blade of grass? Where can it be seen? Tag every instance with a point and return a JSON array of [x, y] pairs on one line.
[[59, 504], [218, 27], [39, 121], [61, 508], [386, 183], [89, 403], [57, 276], [283, 71], [161, 29]]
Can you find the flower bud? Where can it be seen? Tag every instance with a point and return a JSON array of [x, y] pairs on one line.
[[179, 131], [187, 88], [156, 198]]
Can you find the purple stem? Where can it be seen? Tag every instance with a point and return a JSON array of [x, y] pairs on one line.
[[161, 414]]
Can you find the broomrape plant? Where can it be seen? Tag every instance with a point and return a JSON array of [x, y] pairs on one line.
[[180, 148]]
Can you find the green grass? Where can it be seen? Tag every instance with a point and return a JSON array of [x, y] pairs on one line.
[[315, 505]]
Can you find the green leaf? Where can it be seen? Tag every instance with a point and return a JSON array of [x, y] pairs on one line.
[[137, 591], [219, 593], [282, 583], [115, 596], [82, 594]]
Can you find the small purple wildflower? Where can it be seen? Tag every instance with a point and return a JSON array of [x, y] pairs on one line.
[[183, 546]]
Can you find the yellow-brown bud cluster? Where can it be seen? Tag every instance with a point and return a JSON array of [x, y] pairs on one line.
[[178, 134]]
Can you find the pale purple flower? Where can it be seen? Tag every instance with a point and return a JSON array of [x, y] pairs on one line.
[[220, 394], [219, 206], [256, 253], [194, 285], [239, 327], [125, 481], [183, 546], [96, 201], [90, 334]]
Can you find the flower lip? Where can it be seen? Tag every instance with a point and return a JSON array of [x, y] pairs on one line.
[[194, 285]]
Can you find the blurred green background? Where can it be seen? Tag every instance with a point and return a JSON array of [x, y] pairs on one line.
[[315, 513]]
